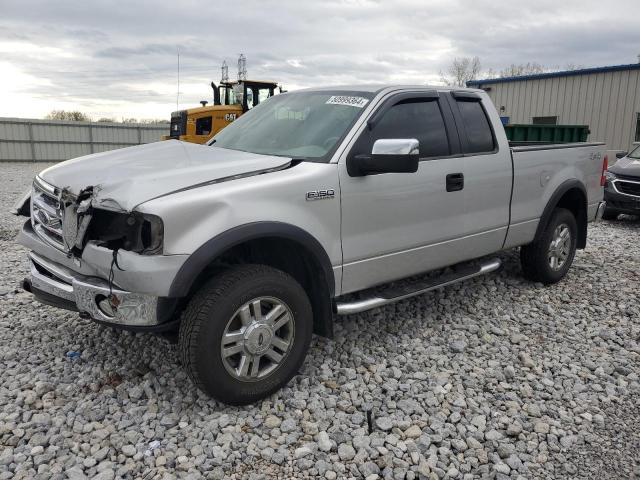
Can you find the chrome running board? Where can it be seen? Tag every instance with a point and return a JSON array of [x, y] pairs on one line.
[[395, 294]]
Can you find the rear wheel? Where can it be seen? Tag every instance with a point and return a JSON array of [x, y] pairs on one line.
[[610, 214], [548, 258], [246, 333]]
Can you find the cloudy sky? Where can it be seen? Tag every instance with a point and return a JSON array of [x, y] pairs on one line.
[[118, 59]]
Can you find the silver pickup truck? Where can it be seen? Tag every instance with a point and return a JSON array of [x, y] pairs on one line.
[[307, 207]]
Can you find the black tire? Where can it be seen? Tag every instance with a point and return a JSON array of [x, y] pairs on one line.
[[610, 214], [534, 257], [212, 309]]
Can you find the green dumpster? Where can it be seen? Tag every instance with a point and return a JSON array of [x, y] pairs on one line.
[[547, 133]]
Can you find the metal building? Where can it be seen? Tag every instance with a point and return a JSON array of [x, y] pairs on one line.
[[607, 99]]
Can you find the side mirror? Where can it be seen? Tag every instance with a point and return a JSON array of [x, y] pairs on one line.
[[621, 154], [388, 155]]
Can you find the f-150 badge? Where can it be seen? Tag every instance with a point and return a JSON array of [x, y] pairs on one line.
[[320, 194]]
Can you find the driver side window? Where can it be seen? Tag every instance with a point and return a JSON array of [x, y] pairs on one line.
[[417, 118]]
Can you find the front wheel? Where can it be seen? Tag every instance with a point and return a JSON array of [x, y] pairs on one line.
[[548, 258], [246, 333]]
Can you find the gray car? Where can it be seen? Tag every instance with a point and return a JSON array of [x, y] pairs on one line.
[[252, 243], [622, 190]]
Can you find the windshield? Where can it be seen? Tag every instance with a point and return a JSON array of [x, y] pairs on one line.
[[635, 153], [305, 125]]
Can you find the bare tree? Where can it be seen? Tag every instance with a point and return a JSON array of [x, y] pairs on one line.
[[529, 68], [464, 69], [461, 71], [532, 68], [153, 121], [74, 116]]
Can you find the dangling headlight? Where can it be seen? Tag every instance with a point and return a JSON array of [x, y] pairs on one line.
[[137, 232]]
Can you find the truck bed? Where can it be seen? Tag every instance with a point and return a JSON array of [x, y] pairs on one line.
[[540, 170], [531, 146]]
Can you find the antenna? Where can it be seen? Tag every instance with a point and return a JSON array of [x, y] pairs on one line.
[[178, 92], [242, 67], [225, 72]]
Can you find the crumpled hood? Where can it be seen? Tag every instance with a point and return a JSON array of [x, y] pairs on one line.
[[125, 178], [626, 166]]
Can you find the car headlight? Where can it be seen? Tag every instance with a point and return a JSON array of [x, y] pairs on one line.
[[137, 232], [609, 176]]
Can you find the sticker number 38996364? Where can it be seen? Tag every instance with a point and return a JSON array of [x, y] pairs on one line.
[[357, 102]]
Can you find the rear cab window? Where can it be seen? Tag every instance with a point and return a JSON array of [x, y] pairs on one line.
[[476, 133]]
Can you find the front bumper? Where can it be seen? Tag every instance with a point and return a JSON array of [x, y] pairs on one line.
[[148, 274], [620, 202], [57, 285], [79, 284]]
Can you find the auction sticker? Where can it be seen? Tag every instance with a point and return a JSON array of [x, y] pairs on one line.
[[357, 102]]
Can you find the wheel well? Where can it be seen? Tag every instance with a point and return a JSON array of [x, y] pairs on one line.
[[290, 257], [575, 201]]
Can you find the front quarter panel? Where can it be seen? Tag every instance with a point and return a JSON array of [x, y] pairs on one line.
[[193, 217]]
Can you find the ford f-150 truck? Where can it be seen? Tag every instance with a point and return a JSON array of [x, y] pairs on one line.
[[311, 205]]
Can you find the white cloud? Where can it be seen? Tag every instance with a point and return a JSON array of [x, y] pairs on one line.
[[113, 58]]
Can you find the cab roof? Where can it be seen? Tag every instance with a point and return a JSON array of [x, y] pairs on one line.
[[377, 88]]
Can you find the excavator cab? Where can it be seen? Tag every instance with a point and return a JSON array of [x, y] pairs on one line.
[[230, 100], [247, 93]]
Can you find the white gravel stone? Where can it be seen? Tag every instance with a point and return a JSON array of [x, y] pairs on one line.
[[302, 452], [413, 431], [272, 421], [346, 451], [384, 423], [493, 377], [541, 427], [129, 450], [324, 442]]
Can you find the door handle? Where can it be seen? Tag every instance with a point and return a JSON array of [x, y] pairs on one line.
[[455, 182]]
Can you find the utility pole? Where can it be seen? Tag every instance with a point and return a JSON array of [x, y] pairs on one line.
[[178, 92]]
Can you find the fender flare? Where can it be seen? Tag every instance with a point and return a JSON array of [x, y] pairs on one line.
[[563, 188], [210, 250]]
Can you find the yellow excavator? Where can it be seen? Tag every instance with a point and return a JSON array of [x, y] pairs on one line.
[[230, 100]]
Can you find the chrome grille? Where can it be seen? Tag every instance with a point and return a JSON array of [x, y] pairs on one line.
[[47, 214], [627, 187]]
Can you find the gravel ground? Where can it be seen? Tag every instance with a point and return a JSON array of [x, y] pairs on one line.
[[494, 378]]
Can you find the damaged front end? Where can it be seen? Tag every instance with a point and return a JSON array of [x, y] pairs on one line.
[[97, 241], [69, 221]]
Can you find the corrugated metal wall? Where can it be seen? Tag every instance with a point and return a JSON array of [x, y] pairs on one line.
[[609, 102], [51, 141]]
